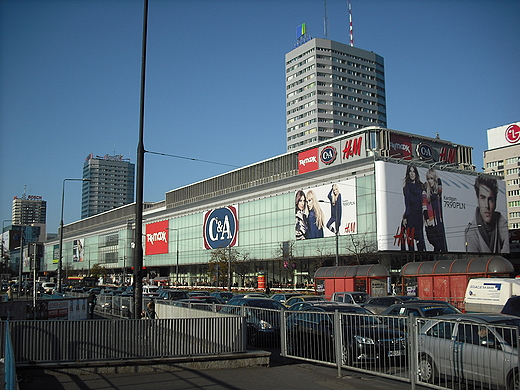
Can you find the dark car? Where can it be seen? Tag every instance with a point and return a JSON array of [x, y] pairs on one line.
[[222, 295], [282, 297], [417, 309], [310, 334], [475, 348], [173, 295], [262, 318], [378, 304]]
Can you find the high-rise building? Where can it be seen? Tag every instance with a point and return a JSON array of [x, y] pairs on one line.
[[111, 184], [503, 158], [331, 89], [29, 210]]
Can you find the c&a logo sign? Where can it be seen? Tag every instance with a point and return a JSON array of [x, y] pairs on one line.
[[221, 228], [156, 238]]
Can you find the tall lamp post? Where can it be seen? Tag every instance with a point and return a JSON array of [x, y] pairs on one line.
[[177, 257], [60, 271]]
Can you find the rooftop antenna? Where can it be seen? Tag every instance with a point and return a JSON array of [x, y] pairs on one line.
[[326, 22], [350, 20], [24, 191]]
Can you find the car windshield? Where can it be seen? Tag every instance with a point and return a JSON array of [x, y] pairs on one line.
[[433, 311], [265, 304]]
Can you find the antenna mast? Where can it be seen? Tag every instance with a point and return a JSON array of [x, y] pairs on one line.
[[350, 20], [326, 22]]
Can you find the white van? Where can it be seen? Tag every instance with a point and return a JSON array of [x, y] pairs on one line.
[[150, 291], [489, 295]]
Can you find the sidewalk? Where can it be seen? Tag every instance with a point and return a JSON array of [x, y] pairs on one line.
[[287, 377]]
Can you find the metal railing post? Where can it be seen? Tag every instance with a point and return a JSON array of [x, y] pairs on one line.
[[338, 340]]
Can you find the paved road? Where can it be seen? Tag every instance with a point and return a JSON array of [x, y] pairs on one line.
[[299, 376]]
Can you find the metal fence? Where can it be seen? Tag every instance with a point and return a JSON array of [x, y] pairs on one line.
[[91, 340], [431, 352]]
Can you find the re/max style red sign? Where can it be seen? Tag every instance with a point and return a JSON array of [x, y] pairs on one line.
[[156, 238]]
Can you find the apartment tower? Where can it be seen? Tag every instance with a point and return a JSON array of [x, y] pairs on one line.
[[111, 184], [331, 89]]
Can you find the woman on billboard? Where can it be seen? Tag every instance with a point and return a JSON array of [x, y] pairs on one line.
[[412, 221], [432, 211], [315, 218], [335, 209], [301, 220]]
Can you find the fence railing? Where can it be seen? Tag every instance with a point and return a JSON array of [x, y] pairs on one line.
[[91, 340]]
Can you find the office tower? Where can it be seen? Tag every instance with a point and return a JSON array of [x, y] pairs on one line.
[[111, 184], [503, 158], [331, 89], [29, 210]]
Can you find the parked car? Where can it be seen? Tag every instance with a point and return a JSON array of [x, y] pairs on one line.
[[282, 297], [378, 304], [222, 295], [262, 318], [48, 287], [197, 293], [173, 295], [357, 297], [299, 306], [417, 308], [304, 298], [365, 338], [476, 348]]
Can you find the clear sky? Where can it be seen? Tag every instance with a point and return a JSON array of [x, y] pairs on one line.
[[215, 85]]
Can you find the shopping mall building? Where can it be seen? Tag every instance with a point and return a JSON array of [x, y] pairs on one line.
[[340, 202]]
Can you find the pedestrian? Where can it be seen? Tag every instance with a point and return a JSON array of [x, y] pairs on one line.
[[10, 294], [91, 299], [149, 313]]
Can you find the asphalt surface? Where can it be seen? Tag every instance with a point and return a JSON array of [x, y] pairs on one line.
[[286, 374], [287, 377]]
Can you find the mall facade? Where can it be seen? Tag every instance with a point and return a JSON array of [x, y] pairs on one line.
[[340, 202]]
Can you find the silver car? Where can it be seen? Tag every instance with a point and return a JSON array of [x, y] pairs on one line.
[[470, 348]]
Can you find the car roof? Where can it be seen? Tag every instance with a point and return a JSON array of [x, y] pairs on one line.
[[331, 306], [480, 317]]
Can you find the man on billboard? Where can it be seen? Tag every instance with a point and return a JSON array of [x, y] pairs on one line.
[[488, 232]]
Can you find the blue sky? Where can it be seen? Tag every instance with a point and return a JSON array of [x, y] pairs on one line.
[[215, 90]]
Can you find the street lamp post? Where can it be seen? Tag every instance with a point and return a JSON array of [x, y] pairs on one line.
[[60, 271], [177, 258]]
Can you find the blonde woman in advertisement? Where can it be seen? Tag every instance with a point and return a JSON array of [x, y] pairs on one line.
[[432, 212], [315, 218]]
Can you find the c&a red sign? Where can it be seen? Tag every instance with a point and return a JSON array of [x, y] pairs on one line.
[[157, 238]]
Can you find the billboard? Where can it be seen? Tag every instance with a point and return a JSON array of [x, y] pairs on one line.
[[220, 227], [502, 136], [157, 238], [334, 153], [434, 210], [326, 210], [78, 250]]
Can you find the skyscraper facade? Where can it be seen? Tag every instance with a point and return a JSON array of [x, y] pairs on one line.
[[331, 89], [29, 210], [111, 184]]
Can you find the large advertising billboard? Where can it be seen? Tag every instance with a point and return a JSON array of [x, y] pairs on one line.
[[434, 210], [157, 238], [326, 210], [220, 227]]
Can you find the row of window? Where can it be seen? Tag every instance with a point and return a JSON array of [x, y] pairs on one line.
[[305, 114], [301, 98], [300, 90], [300, 72], [513, 203], [306, 132], [513, 182], [305, 61], [302, 107], [514, 214], [512, 171], [300, 125], [513, 193], [298, 82]]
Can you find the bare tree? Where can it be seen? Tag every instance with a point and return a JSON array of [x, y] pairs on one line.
[[362, 249]]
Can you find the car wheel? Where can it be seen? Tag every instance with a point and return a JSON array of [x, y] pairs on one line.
[[427, 370], [346, 355], [253, 338], [513, 383]]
